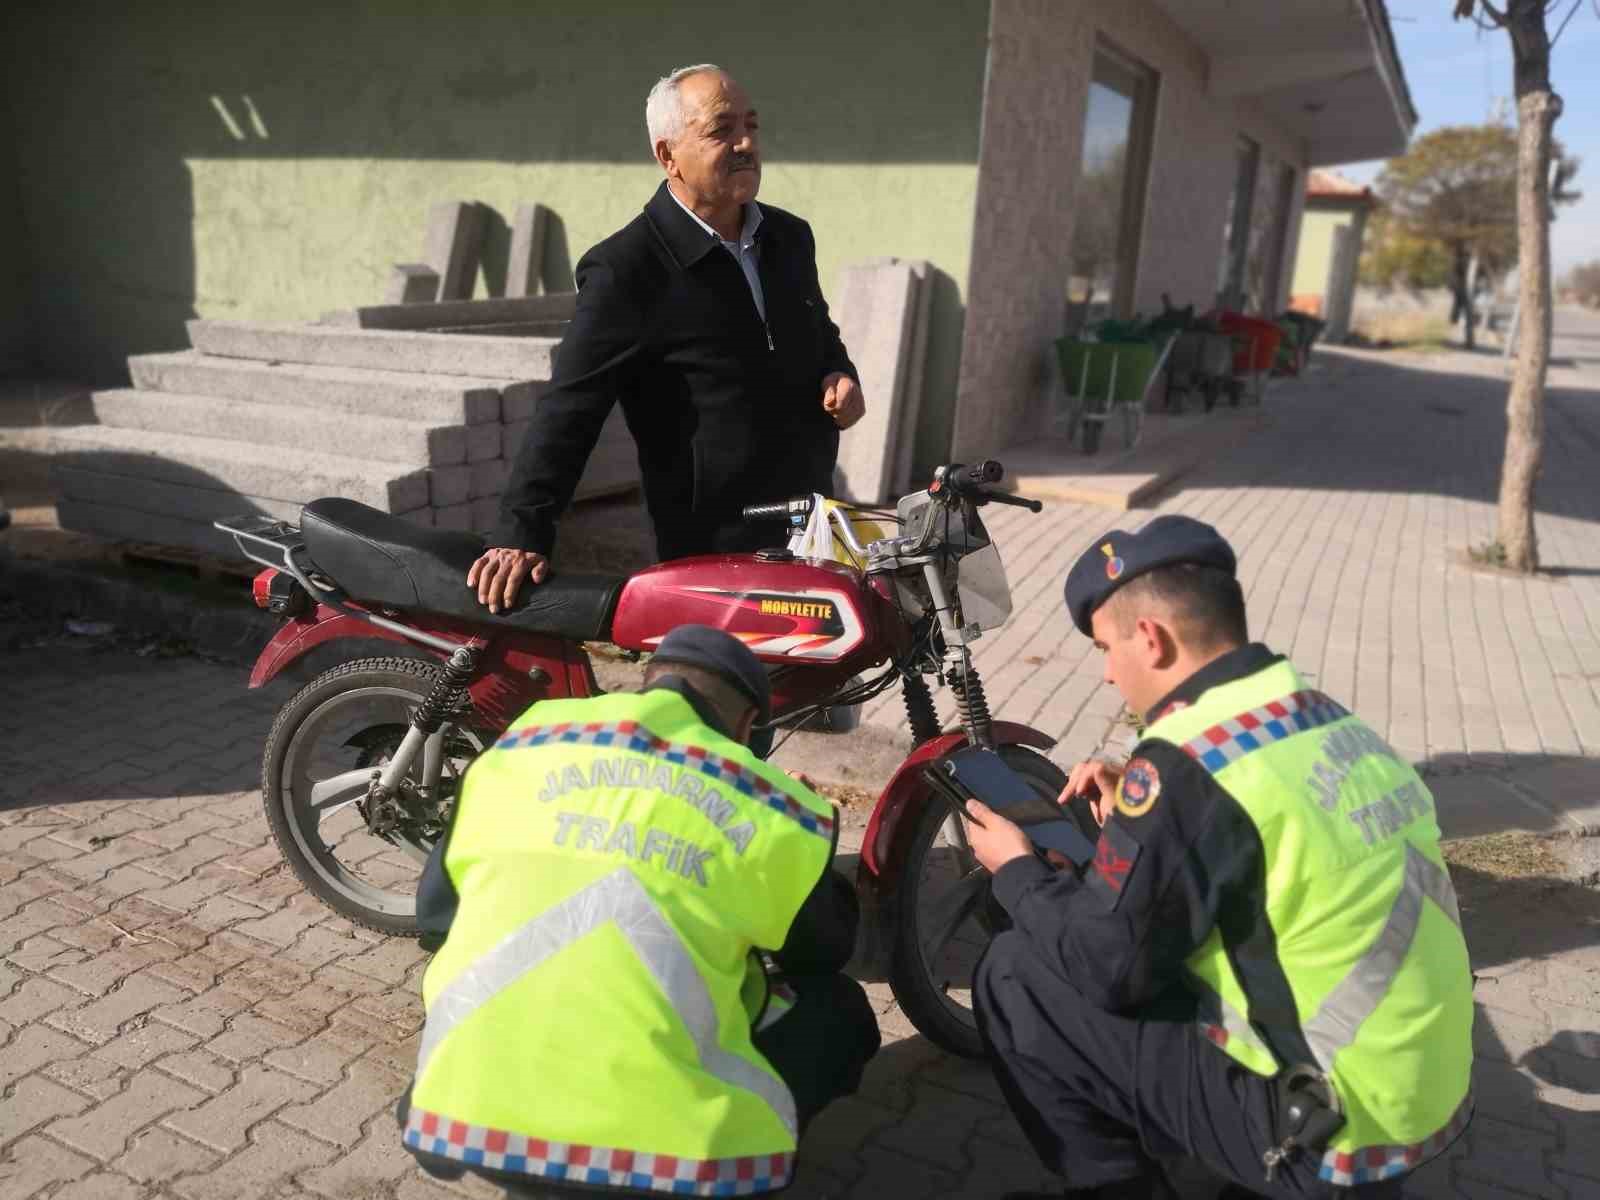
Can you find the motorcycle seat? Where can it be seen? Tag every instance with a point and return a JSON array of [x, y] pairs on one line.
[[382, 559]]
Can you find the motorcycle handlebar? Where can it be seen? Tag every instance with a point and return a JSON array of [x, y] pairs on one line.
[[781, 511]]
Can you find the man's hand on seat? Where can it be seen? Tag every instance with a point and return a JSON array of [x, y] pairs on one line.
[[842, 400], [499, 572]]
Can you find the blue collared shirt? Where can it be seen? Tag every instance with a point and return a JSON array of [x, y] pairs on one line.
[[744, 250]]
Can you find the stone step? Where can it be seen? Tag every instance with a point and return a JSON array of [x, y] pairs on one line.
[[494, 312], [401, 395], [240, 467], [519, 358], [381, 439]]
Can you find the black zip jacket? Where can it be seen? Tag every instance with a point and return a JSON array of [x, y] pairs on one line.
[[726, 409], [1160, 882]]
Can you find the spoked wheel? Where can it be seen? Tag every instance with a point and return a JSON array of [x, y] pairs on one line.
[[320, 758], [943, 916]]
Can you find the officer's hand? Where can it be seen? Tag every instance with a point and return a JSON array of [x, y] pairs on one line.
[[842, 400], [499, 572], [997, 841], [1097, 780]]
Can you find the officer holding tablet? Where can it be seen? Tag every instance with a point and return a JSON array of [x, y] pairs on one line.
[[1262, 967]]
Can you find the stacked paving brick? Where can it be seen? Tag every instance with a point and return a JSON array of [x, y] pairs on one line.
[[415, 409]]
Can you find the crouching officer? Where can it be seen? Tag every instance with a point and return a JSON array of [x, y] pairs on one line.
[[1263, 967], [599, 1014]]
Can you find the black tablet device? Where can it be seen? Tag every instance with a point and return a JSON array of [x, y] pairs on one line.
[[984, 774]]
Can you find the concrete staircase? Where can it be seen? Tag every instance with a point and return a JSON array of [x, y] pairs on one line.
[[422, 421]]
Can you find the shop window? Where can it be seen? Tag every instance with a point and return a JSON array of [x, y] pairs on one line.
[[1109, 212]]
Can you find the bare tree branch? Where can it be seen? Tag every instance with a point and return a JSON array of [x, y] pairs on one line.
[[1576, 4]]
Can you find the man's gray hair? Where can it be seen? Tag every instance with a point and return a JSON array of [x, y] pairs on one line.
[[663, 107]]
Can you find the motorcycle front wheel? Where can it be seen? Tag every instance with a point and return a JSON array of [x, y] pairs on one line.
[[324, 747], [942, 916]]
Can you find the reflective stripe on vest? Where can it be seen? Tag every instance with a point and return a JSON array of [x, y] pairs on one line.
[[501, 1150], [1369, 1164], [621, 899], [1221, 1022], [630, 735], [1357, 996]]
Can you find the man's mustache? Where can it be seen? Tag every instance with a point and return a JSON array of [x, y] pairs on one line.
[[742, 162]]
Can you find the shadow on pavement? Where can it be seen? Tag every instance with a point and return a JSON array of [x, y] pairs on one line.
[[1494, 793], [1404, 423]]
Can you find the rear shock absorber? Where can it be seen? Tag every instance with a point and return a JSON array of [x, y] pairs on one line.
[[972, 704], [446, 692], [924, 719]]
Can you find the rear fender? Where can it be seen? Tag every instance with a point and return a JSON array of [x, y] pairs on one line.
[[906, 793], [514, 669], [295, 639]]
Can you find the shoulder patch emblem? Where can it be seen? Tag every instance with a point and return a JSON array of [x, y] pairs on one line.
[[1139, 789]]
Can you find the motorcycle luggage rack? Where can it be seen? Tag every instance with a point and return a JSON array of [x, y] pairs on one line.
[[274, 543]]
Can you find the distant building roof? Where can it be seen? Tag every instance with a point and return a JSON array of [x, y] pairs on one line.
[[1322, 184]]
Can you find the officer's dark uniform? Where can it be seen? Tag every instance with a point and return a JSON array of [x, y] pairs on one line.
[[1092, 1033]]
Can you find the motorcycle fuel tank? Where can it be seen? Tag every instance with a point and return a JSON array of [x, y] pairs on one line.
[[800, 611]]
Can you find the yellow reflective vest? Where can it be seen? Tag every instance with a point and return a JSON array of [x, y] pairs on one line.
[[1363, 916], [589, 1016]]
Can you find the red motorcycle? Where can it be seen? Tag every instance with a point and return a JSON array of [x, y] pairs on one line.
[[364, 763]]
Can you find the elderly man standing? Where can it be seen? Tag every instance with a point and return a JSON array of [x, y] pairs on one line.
[[704, 318]]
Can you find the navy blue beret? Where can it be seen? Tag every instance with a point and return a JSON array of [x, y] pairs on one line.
[[1117, 557], [724, 656]]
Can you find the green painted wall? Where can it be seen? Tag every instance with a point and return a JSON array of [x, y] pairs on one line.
[[15, 350], [1316, 249], [271, 161]]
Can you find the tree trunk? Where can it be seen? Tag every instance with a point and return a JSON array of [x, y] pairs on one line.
[[1469, 301], [1537, 110]]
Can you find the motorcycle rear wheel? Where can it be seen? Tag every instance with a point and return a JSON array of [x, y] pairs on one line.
[[942, 916], [324, 745]]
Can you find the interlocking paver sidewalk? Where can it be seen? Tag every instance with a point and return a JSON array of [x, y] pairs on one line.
[[178, 1021]]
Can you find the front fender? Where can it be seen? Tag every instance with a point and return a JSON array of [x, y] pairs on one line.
[[906, 792], [295, 639]]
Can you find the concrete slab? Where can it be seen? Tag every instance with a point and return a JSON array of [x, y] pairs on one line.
[[378, 349], [411, 283], [488, 478], [448, 486], [875, 309], [484, 442], [459, 314], [453, 516], [455, 233], [905, 443], [525, 269], [381, 439], [401, 395], [1052, 468], [485, 513], [518, 405], [240, 468], [613, 466]]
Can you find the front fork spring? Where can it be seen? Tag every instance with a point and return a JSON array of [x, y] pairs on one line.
[[972, 704]]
